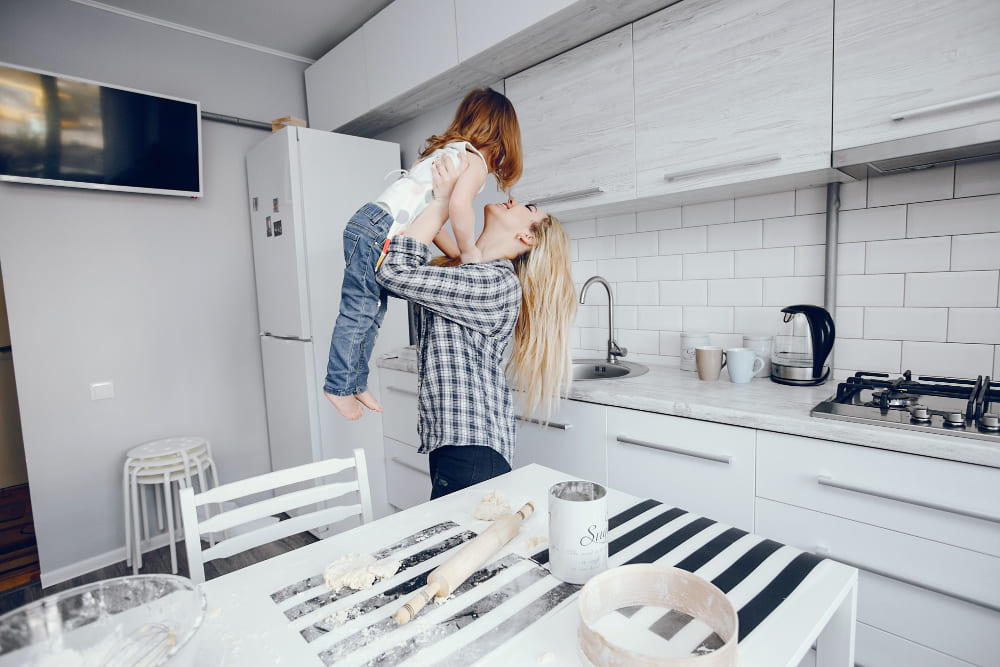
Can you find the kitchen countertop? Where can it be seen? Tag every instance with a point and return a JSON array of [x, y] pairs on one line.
[[760, 404]]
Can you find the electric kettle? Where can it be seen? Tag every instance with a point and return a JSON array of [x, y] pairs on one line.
[[802, 346]]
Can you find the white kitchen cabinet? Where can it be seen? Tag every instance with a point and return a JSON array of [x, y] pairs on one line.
[[399, 403], [337, 85], [699, 466], [572, 441], [904, 68], [919, 529], [407, 472], [730, 93], [483, 24], [577, 125]]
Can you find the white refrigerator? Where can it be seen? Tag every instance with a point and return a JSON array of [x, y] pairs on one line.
[[304, 185]]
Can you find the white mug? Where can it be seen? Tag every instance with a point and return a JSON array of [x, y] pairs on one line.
[[578, 531], [742, 363], [690, 341]]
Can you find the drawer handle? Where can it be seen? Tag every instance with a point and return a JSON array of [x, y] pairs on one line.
[[567, 196], [825, 553], [703, 171], [945, 106], [396, 459], [718, 458], [826, 480], [532, 420], [401, 390]]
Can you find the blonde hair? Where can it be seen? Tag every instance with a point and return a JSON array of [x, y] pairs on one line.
[[486, 119], [540, 364]]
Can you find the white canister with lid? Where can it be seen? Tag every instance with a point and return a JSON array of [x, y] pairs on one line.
[[689, 341], [761, 345]]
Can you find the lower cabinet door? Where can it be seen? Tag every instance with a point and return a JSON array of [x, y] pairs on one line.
[[407, 475], [703, 467], [571, 442]]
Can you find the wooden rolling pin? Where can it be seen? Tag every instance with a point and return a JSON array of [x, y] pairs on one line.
[[449, 575]]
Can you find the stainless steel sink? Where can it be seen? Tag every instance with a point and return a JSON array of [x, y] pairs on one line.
[[599, 369]]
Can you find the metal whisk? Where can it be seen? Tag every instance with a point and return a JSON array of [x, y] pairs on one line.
[[145, 646]]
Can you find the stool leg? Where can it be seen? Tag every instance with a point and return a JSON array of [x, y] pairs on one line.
[[145, 516], [159, 508], [136, 544], [127, 502], [170, 523], [203, 486]]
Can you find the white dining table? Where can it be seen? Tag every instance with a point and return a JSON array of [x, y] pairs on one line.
[[513, 611]]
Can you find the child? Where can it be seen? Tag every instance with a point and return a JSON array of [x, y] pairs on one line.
[[483, 138]]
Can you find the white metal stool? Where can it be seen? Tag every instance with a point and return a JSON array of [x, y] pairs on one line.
[[160, 464]]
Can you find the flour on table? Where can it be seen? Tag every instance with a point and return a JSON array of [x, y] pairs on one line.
[[546, 658], [358, 571], [532, 543], [493, 506]]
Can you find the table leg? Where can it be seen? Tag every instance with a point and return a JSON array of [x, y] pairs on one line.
[[835, 644]]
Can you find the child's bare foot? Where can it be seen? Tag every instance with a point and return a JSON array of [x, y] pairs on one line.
[[369, 401], [346, 405]]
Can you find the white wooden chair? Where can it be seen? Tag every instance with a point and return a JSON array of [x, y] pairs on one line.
[[312, 503]]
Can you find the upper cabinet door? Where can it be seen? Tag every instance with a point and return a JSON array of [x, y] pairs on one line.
[[577, 125], [908, 67], [337, 84], [730, 92]]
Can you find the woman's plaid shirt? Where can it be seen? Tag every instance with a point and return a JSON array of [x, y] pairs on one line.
[[468, 318]]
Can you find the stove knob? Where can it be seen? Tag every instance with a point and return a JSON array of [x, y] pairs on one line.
[[920, 413], [990, 422], [954, 419]]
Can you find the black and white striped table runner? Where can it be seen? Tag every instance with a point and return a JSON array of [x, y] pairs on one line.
[[503, 598]]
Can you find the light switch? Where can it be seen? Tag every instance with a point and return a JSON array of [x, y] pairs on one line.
[[99, 390]]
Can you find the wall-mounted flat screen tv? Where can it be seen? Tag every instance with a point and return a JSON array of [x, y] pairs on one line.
[[59, 130]]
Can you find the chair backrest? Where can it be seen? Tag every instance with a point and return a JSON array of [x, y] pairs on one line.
[[312, 503]]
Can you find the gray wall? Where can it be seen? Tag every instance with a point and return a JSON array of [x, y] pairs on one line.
[[155, 293]]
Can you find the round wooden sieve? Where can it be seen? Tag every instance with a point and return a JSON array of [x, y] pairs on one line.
[[661, 586]]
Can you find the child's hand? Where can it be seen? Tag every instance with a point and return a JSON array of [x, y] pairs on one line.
[[445, 174]]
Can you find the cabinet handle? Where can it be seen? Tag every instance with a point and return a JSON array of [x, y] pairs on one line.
[[396, 459], [702, 171], [532, 420], [401, 390], [945, 106], [718, 458], [825, 553], [826, 480], [567, 196]]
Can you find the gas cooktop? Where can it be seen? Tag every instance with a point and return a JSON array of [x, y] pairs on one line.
[[954, 406]]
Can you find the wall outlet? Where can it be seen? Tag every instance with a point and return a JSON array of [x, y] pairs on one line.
[[99, 390]]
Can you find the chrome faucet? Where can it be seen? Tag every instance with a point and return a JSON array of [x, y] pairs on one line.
[[614, 350]]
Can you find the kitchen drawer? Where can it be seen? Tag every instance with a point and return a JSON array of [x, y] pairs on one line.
[[700, 466], [876, 648], [936, 595], [572, 441], [407, 475], [804, 472], [399, 403]]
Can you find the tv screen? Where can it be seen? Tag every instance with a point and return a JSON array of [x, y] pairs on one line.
[[58, 130]]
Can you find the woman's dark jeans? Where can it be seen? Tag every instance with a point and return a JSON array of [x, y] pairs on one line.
[[455, 468]]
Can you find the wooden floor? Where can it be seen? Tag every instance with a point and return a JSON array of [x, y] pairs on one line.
[[156, 561], [18, 552]]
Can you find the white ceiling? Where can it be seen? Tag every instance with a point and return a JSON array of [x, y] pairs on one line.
[[305, 28]]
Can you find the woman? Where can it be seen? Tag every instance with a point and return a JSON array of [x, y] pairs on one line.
[[522, 289]]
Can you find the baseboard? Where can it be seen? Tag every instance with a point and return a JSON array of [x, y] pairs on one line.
[[87, 565]]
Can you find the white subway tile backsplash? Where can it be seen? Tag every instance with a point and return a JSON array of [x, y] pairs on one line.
[[594, 339], [708, 265], [639, 342], [638, 294], [854, 195], [684, 293], [707, 318], [663, 267], [736, 292], [850, 258], [913, 186], [810, 200], [953, 289], [580, 229], [948, 359], [709, 213], [664, 218], [735, 236], [589, 316], [879, 356], [789, 291], [765, 263], [810, 260], [683, 241], [617, 224], [908, 255], [726, 341], [574, 250], [850, 322], [582, 270], [796, 230], [659, 318], [974, 325], [975, 251], [922, 324], [977, 178], [972, 215], [626, 317], [617, 270], [599, 247], [873, 224], [670, 344], [776, 205], [756, 321], [878, 290], [643, 244]]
